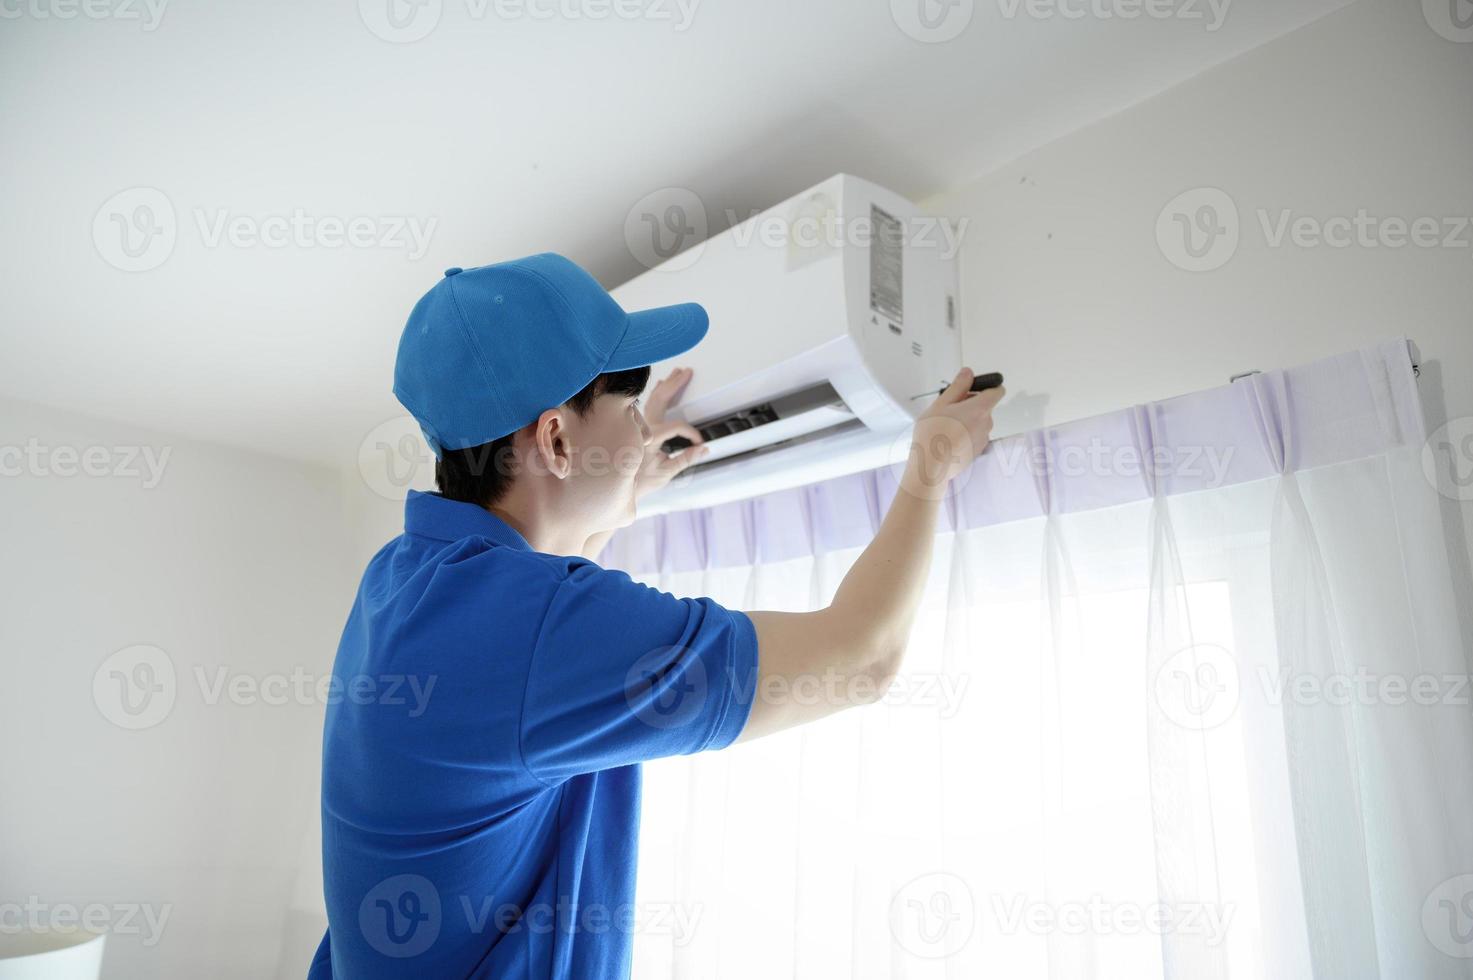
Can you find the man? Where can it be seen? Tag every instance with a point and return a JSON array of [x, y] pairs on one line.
[[483, 821]]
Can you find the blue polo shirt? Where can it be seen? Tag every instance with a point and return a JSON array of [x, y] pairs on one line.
[[488, 711]]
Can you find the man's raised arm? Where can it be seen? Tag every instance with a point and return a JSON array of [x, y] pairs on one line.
[[852, 649]]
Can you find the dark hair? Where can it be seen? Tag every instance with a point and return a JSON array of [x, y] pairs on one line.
[[482, 474]]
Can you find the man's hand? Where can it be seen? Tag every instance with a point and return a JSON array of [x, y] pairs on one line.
[[658, 469], [949, 436]]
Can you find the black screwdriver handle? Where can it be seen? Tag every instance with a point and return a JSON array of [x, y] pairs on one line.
[[984, 382]]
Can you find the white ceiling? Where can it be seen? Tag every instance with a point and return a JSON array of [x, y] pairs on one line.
[[514, 135]]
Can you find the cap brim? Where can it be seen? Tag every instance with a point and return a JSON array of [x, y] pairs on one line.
[[654, 335]]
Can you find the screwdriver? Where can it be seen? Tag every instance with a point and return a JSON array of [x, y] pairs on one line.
[[981, 382]]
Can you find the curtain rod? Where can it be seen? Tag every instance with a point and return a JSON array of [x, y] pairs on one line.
[[1415, 354]]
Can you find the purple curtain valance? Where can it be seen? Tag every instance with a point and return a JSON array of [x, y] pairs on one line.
[[1340, 408]]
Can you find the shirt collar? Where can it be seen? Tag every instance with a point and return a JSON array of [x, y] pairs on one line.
[[432, 516]]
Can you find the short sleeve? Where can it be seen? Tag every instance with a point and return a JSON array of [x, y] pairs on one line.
[[624, 673]]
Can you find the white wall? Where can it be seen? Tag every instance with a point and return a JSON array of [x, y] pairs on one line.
[[249, 563], [231, 561], [373, 511], [1066, 290]]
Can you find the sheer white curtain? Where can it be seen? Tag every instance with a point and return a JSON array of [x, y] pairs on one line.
[[1201, 715]]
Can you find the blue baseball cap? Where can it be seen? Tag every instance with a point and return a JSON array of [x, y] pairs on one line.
[[487, 350]]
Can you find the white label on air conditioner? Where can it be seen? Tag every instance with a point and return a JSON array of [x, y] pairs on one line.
[[886, 266]]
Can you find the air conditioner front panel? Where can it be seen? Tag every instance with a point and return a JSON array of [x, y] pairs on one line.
[[900, 291], [767, 305], [802, 297]]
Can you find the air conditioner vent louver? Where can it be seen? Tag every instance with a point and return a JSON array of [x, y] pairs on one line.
[[797, 413]]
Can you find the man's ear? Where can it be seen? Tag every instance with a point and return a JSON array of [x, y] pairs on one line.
[[551, 450]]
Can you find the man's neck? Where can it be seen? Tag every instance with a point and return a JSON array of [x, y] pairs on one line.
[[540, 530]]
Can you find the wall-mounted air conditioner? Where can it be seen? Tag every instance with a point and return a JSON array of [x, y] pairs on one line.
[[835, 317]]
